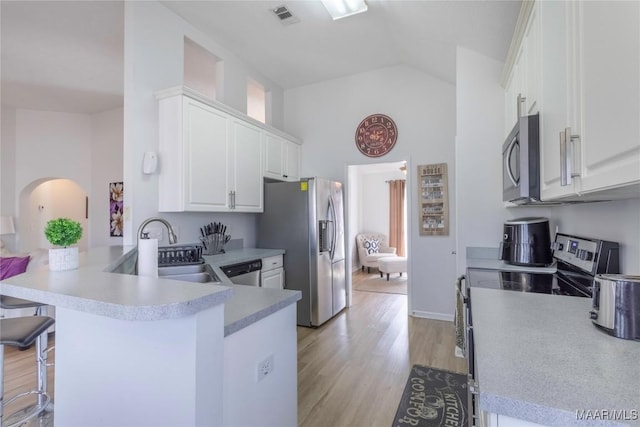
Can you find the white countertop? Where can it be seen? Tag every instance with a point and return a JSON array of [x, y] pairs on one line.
[[120, 296], [128, 297], [540, 358], [249, 304]]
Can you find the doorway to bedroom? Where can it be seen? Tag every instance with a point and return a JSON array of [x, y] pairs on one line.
[[377, 226]]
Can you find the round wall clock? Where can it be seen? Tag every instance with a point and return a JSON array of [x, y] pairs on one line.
[[376, 135]]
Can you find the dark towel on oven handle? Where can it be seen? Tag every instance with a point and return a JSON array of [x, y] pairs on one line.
[[459, 319]]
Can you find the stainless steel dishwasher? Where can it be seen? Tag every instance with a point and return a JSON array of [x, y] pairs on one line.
[[244, 273]]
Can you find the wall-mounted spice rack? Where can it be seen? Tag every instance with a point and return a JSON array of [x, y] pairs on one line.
[[433, 199]]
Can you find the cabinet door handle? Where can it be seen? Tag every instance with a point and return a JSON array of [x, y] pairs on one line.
[[565, 178], [232, 199], [568, 153]]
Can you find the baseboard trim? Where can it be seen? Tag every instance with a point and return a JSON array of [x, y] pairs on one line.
[[434, 316]]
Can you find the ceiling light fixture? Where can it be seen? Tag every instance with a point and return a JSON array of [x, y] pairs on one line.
[[343, 8]]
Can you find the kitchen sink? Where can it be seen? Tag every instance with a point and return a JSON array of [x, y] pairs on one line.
[[184, 269], [199, 273]]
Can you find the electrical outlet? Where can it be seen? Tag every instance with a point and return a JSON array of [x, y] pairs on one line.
[[265, 367]]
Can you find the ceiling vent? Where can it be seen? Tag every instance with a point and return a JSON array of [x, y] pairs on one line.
[[284, 15]]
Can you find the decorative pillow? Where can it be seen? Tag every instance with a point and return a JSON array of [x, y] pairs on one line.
[[12, 266], [372, 246]]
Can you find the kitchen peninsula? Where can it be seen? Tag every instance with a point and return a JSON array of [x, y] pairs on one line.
[[142, 351]]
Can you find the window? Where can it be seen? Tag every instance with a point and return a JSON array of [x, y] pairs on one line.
[[200, 69], [256, 101]]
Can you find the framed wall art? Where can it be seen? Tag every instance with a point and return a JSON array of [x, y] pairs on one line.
[[433, 200], [116, 203]]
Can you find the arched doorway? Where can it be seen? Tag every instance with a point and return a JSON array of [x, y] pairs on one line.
[[46, 199]]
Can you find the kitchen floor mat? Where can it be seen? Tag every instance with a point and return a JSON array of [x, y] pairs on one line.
[[433, 398]]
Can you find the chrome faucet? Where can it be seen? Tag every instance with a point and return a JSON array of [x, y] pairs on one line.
[[172, 234]]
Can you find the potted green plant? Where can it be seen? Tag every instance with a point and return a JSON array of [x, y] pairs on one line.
[[63, 232]]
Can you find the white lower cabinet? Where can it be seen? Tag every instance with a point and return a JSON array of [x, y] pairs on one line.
[[273, 279], [496, 420], [272, 274]]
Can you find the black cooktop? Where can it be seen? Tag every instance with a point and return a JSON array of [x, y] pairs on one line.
[[578, 261], [520, 281]]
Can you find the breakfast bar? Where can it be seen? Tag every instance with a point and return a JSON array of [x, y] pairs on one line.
[[142, 351]]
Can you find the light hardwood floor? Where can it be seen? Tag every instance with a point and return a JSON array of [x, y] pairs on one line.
[[372, 282], [20, 373], [352, 370]]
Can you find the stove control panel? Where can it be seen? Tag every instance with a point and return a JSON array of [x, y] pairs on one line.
[[589, 255]]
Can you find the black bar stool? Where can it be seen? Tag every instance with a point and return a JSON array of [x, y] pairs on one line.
[[21, 332], [13, 303]]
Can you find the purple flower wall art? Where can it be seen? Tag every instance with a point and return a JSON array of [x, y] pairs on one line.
[[115, 208]]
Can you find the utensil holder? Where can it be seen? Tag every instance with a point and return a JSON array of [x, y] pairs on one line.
[[214, 243]]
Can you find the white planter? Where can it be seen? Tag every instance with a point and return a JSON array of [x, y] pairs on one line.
[[63, 259]]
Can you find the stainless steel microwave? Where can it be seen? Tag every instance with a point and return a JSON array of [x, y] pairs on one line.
[[521, 162]]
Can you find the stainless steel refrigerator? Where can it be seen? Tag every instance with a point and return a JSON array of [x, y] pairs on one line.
[[306, 218]]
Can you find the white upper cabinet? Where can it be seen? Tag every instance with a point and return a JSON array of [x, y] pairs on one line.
[[583, 77], [609, 74], [212, 157], [245, 172], [292, 161], [194, 153], [557, 108], [522, 88], [281, 158]]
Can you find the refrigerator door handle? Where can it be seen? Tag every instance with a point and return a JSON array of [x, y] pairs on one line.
[[332, 206]]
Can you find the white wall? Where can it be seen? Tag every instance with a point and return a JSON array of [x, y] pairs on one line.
[[352, 213], [41, 145], [154, 61], [617, 221], [49, 145], [57, 198], [52, 145], [106, 167], [375, 201], [478, 178], [8, 172], [325, 116]]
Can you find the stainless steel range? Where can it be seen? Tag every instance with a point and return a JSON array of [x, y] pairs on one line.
[[578, 260]]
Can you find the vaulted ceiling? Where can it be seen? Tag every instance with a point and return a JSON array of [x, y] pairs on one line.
[[68, 55]]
